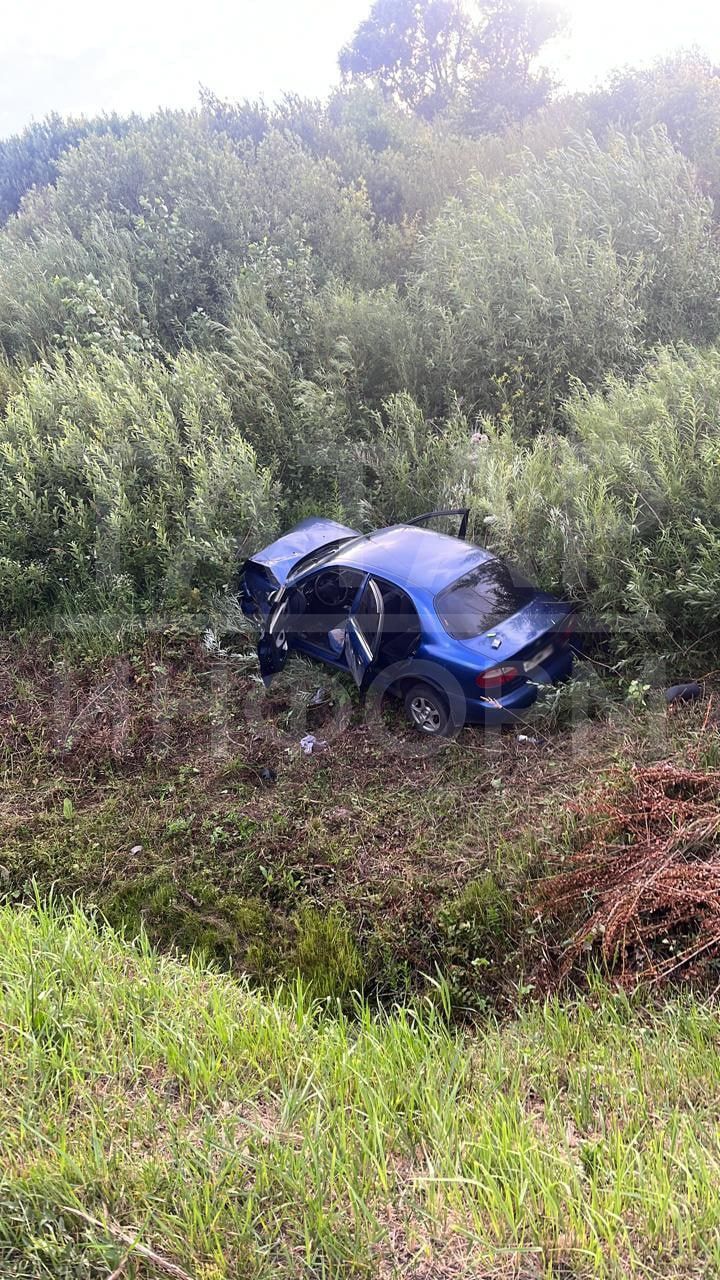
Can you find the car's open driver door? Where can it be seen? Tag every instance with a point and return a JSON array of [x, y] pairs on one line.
[[463, 512], [272, 646]]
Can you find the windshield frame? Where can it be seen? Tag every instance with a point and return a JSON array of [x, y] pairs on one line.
[[329, 549]]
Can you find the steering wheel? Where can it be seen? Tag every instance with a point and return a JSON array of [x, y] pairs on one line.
[[334, 589]]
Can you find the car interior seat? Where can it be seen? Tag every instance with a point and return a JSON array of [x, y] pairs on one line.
[[401, 626]]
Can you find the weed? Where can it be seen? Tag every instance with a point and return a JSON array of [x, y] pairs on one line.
[[477, 931], [325, 953]]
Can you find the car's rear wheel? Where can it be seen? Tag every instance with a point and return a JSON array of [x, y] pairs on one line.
[[427, 711]]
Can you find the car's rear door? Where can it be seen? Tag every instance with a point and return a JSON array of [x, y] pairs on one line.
[[363, 630]]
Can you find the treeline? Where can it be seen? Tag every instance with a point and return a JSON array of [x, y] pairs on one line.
[[214, 322]]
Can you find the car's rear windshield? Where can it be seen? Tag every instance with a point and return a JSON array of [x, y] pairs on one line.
[[482, 598]]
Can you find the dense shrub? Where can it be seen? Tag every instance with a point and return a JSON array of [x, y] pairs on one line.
[[30, 159], [186, 207], [57, 292], [509, 316], [214, 322], [682, 93], [568, 269], [119, 486], [624, 511], [640, 196], [414, 466]]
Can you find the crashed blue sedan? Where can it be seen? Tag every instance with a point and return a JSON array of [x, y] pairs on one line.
[[441, 623]]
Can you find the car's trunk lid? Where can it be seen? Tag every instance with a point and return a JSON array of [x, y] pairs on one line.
[[530, 635]]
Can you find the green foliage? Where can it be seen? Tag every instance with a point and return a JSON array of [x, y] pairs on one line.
[[438, 56], [326, 955], [186, 205], [511, 316], [30, 159], [683, 94], [412, 465], [408, 167], [57, 292], [214, 322], [567, 270], [641, 198], [585, 696], [623, 511], [121, 483], [221, 929], [476, 933]]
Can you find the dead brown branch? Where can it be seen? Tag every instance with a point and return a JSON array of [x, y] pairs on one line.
[[646, 877]]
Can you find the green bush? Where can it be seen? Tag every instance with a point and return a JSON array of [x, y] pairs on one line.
[[682, 93], [120, 483], [640, 197], [413, 465], [568, 269], [624, 511], [30, 159], [214, 322]]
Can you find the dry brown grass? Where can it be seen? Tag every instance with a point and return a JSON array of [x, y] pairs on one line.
[[646, 877]]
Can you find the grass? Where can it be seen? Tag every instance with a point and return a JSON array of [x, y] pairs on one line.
[[151, 1101], [165, 788], [273, 1080]]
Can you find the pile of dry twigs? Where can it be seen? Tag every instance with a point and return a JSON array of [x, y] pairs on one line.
[[646, 879]]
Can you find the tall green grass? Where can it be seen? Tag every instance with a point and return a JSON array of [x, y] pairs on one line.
[[124, 485], [623, 511], [153, 1101]]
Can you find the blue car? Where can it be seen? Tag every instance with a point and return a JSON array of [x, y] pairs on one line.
[[441, 623]]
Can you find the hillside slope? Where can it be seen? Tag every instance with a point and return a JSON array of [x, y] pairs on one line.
[[158, 1119]]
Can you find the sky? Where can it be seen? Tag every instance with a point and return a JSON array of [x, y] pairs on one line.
[[88, 56]]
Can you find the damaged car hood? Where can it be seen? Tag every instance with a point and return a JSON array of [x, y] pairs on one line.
[[312, 533]]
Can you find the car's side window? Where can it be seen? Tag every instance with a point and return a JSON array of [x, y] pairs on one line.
[[401, 627]]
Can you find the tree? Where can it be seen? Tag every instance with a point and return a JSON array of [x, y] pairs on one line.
[[439, 56], [30, 159], [683, 94], [507, 87]]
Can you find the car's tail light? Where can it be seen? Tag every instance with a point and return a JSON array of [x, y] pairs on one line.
[[497, 677]]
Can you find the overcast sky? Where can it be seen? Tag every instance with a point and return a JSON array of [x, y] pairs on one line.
[[86, 56]]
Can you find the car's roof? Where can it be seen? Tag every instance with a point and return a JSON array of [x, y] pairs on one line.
[[410, 555]]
